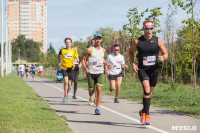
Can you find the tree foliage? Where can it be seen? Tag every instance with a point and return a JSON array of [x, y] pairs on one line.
[[50, 59], [135, 18], [27, 48]]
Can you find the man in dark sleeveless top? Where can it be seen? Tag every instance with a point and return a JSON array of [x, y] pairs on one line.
[[148, 47]]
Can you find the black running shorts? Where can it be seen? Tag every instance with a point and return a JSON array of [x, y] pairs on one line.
[[151, 75], [69, 72], [114, 77]]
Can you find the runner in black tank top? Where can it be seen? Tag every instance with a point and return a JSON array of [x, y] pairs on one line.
[[147, 59], [148, 47]]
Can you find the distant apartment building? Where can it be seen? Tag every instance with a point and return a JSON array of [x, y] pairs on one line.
[[28, 17]]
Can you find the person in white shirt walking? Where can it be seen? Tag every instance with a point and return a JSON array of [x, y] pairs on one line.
[[117, 62]]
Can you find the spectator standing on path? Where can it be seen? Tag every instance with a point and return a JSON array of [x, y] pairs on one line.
[[117, 62], [40, 70], [68, 55], [95, 69], [148, 47], [33, 68]]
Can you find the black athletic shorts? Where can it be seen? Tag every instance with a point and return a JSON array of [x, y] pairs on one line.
[[151, 75], [69, 72], [114, 77]]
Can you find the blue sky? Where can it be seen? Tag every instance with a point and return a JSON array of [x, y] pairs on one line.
[[81, 18]]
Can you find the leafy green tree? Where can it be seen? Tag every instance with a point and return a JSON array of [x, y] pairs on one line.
[[192, 40], [81, 47], [135, 18], [26, 48], [51, 57]]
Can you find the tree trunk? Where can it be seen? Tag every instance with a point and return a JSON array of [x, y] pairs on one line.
[[194, 63]]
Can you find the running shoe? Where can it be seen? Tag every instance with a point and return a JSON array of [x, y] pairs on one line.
[[142, 117], [65, 99], [97, 112], [74, 97], [90, 101], [116, 100], [147, 120]]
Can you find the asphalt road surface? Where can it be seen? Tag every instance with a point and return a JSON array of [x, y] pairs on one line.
[[120, 117]]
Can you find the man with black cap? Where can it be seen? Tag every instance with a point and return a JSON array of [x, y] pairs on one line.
[[148, 47], [95, 69]]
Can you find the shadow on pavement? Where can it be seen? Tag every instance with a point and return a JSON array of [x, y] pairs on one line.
[[71, 112], [47, 81], [111, 123]]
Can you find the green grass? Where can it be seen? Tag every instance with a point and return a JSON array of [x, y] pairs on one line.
[[181, 99], [22, 110]]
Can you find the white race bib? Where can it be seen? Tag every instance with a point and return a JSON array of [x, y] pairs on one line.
[[149, 60], [97, 64], [68, 55]]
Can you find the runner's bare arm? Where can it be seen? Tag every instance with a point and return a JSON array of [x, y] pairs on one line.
[[124, 66], [163, 50], [132, 50], [85, 57], [59, 60]]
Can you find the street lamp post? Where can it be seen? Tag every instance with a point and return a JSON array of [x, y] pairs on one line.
[[6, 49]]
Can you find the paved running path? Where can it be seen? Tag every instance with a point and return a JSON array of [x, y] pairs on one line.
[[116, 118]]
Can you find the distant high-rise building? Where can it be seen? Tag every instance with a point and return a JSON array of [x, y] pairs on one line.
[[29, 18]]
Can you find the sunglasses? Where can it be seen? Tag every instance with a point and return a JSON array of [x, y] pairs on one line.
[[116, 49], [148, 28]]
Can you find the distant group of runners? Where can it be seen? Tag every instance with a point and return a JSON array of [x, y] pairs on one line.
[[93, 62], [29, 70]]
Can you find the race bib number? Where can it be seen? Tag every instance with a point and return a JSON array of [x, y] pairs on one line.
[[116, 67], [97, 64], [68, 55], [149, 60]]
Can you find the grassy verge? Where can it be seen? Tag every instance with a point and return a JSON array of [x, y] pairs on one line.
[[181, 98], [22, 110]]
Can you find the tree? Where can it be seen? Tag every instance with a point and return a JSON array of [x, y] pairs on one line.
[[51, 57], [25, 49], [169, 36], [194, 27], [81, 47]]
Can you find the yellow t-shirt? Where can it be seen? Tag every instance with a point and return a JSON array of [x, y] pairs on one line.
[[68, 57]]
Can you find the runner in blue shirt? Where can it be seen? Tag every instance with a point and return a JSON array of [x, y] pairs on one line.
[[33, 71]]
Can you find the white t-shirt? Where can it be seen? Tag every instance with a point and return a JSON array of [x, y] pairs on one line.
[[115, 62], [40, 68], [21, 67]]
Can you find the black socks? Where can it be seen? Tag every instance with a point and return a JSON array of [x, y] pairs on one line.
[[146, 105]]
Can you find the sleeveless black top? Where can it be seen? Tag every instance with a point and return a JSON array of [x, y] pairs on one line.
[[148, 51]]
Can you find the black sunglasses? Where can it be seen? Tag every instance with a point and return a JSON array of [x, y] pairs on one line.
[[148, 28], [116, 49]]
